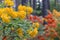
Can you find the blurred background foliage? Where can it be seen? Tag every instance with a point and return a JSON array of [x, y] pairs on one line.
[[55, 4], [1, 5]]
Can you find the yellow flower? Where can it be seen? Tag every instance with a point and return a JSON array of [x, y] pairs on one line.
[[20, 32], [24, 8], [36, 24], [8, 0], [9, 3], [29, 31], [1, 11], [14, 14], [12, 28], [56, 13], [29, 10], [22, 14], [11, 12], [33, 33], [21, 8], [8, 10], [5, 18]]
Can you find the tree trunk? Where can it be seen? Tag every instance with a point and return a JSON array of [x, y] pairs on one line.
[[0, 0], [17, 2], [44, 8], [24, 2], [48, 2], [34, 4]]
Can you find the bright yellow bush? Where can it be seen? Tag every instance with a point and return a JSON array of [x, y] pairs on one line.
[[33, 33], [20, 32], [29, 10], [21, 8], [14, 14], [22, 14], [1, 11], [8, 10], [8, 2], [5, 18], [37, 25]]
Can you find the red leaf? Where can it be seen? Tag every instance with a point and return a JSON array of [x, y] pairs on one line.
[[34, 17], [53, 25], [31, 17], [49, 21], [47, 34], [4, 38]]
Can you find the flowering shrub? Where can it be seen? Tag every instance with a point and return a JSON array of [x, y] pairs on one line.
[[14, 24], [21, 25]]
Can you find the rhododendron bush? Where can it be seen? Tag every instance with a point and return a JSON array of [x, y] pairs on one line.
[[14, 25]]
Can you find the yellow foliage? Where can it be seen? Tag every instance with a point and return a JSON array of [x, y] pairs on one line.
[[56, 13], [21, 8], [5, 18], [12, 28], [22, 14], [1, 11], [8, 10], [33, 33], [8, 2], [36, 24], [14, 14], [29, 10], [20, 32]]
